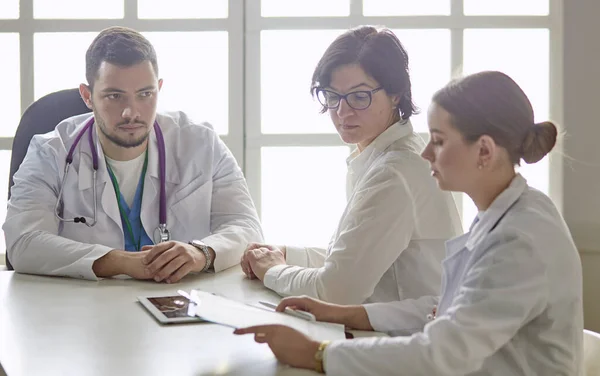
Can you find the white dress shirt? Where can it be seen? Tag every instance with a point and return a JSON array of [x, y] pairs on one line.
[[389, 243], [206, 199], [511, 303]]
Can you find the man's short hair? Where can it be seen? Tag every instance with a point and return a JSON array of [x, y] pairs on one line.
[[120, 46]]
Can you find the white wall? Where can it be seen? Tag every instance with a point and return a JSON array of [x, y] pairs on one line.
[[581, 175]]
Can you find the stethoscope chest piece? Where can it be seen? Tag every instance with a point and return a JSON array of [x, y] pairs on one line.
[[161, 234]]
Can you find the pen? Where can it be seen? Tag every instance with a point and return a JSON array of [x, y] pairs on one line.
[[292, 312]]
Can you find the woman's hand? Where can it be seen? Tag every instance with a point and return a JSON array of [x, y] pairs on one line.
[[289, 345], [354, 317], [245, 261], [323, 311]]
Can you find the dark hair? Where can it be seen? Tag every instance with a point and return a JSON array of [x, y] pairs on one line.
[[120, 46], [491, 103], [379, 53]]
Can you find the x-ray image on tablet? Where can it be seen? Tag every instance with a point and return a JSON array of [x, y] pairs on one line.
[[170, 309]]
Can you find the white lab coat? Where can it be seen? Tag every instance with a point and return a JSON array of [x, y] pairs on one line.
[[207, 199], [511, 303], [389, 243]]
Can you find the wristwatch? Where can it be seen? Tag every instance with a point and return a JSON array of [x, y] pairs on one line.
[[319, 356], [204, 248]]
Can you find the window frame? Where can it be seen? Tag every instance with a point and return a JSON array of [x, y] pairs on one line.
[[244, 25], [26, 26], [456, 22]]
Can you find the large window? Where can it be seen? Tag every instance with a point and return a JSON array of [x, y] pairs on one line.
[[245, 66], [292, 152]]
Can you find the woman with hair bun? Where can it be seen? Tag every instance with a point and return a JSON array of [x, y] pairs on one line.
[[511, 301]]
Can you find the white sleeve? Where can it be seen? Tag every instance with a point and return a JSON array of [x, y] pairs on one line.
[[31, 228], [501, 292], [378, 226], [403, 317], [311, 257], [233, 219]]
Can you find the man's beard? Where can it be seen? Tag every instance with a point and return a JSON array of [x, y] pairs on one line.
[[124, 143]]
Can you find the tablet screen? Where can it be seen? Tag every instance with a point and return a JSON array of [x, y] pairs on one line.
[[171, 306]]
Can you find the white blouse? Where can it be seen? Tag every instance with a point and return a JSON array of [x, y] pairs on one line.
[[389, 243]]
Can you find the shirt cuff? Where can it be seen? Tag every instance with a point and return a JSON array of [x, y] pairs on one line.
[[84, 267], [378, 314], [400, 318], [271, 276], [329, 365], [353, 357], [296, 256]]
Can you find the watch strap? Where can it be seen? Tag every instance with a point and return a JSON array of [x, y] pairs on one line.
[[204, 249], [319, 356]]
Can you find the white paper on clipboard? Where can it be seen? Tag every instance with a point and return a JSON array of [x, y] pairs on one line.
[[235, 314]]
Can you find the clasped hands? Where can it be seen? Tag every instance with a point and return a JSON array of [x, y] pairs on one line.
[[258, 258], [169, 262]]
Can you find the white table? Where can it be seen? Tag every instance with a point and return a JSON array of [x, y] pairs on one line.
[[60, 326]]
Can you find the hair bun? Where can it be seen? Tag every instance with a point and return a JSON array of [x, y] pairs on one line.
[[539, 141]]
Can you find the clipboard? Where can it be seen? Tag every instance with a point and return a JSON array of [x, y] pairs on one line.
[[234, 314]]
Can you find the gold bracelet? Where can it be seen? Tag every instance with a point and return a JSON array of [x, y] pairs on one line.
[[319, 356]]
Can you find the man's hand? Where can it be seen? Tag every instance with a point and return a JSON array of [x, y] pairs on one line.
[[118, 262], [173, 260], [259, 260], [133, 265]]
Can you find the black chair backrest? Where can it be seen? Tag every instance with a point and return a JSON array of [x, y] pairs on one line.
[[42, 116]]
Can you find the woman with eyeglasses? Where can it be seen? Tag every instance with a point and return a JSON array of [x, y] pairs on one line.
[[389, 242], [511, 301]]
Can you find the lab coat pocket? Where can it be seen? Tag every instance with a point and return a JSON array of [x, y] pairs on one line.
[[81, 205], [193, 210]]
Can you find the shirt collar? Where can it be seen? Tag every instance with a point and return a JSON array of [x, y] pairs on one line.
[[172, 172], [358, 161], [136, 160], [487, 220]]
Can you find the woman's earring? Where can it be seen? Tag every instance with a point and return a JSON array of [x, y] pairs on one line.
[[480, 166]]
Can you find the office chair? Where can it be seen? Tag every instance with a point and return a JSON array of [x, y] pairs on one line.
[[42, 116]]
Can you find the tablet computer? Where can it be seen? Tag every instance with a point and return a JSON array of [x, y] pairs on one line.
[[170, 309]]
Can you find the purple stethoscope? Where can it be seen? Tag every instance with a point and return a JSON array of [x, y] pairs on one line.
[[161, 234]]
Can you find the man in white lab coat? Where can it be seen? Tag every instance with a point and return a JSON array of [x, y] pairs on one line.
[[151, 196]]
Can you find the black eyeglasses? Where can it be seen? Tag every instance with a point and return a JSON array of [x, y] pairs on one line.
[[358, 100]]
